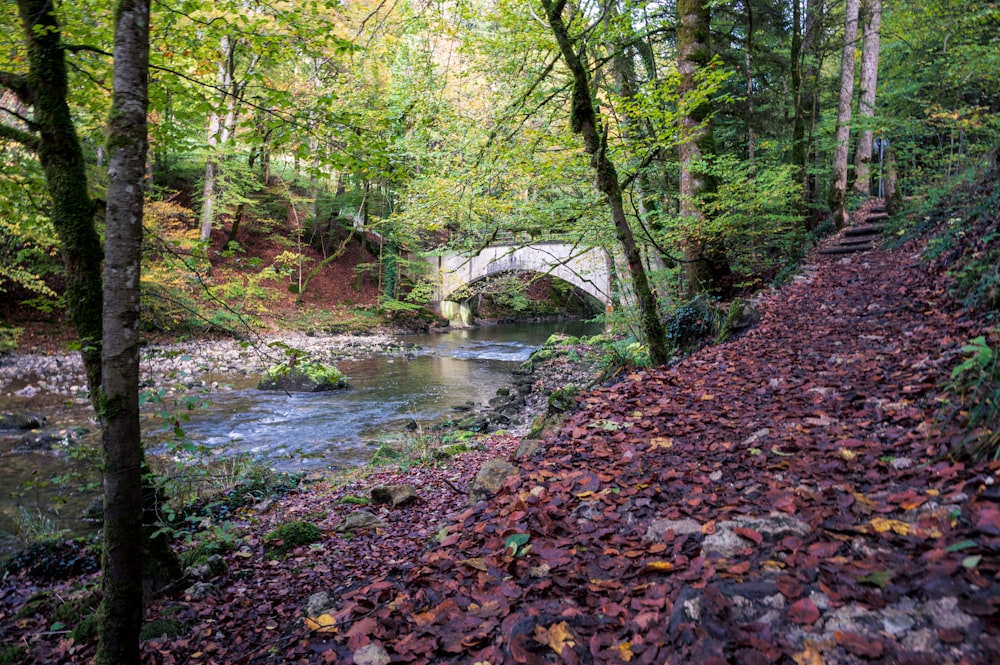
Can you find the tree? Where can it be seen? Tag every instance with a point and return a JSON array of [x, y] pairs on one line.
[[121, 582], [872, 12], [586, 121], [51, 134], [838, 190], [697, 143]]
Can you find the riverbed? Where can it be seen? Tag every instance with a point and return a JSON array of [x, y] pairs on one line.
[[207, 390]]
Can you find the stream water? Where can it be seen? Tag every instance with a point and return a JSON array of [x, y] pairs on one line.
[[301, 431]]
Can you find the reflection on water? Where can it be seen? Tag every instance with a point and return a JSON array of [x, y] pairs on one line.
[[333, 429]]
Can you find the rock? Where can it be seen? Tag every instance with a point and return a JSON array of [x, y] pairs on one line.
[[212, 566], [527, 448], [726, 543], [944, 613], [20, 421], [201, 590], [37, 444], [658, 528], [318, 604], [490, 479], [395, 495], [309, 378], [371, 654], [361, 519]]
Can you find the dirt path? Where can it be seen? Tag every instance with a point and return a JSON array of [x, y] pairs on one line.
[[779, 498]]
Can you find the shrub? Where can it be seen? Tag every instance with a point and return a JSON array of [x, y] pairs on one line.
[[975, 385], [290, 535]]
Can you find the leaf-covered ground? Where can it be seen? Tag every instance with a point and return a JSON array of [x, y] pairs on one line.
[[780, 498]]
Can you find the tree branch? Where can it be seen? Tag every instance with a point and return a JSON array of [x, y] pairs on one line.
[[27, 139], [75, 48], [18, 84]]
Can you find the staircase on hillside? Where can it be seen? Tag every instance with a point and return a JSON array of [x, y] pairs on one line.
[[860, 237]]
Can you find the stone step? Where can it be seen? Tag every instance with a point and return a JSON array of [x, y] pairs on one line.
[[838, 249], [874, 216], [864, 229], [850, 241]]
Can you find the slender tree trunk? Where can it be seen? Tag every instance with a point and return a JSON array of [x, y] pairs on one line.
[[872, 12], [121, 606], [215, 139], [584, 120], [697, 143], [838, 191], [748, 64]]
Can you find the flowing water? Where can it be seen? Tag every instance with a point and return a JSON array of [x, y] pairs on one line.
[[300, 431]]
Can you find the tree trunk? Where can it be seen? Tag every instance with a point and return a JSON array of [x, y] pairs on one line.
[[697, 142], [584, 120], [61, 157], [216, 128], [893, 197], [748, 64], [838, 190], [121, 582], [872, 13]]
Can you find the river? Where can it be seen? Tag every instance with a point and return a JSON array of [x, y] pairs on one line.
[[295, 432]]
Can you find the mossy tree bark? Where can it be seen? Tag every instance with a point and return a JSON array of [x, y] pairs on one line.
[[121, 606], [52, 136], [585, 120], [702, 261]]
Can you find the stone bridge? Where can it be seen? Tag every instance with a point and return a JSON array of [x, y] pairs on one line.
[[584, 267]]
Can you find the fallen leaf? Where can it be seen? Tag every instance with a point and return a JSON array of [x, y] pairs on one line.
[[808, 656], [557, 636], [661, 442], [883, 525], [803, 612], [859, 645], [658, 566], [324, 623], [625, 651]]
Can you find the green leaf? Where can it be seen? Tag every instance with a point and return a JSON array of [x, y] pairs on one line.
[[961, 545], [972, 561]]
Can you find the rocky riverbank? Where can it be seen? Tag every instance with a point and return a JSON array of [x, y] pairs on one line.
[[180, 366]]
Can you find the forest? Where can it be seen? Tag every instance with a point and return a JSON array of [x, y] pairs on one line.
[[188, 169], [439, 126]]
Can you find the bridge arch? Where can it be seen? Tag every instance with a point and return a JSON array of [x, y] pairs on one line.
[[585, 268]]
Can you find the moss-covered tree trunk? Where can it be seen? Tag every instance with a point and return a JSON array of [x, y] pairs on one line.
[[121, 606], [54, 139], [697, 143], [585, 121]]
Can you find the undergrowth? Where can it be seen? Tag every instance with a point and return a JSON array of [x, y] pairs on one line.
[[974, 398]]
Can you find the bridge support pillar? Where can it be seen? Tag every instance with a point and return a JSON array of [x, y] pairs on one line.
[[461, 314]]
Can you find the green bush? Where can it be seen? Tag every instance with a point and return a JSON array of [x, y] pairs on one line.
[[975, 387], [290, 535], [9, 338]]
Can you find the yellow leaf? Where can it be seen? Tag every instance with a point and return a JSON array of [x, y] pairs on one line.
[[478, 563], [882, 525], [661, 442], [584, 495], [556, 636], [659, 566], [808, 656], [707, 398], [847, 454], [324, 623], [932, 492], [625, 651]]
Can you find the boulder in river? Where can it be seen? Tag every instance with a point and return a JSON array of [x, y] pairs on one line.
[[311, 377]]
